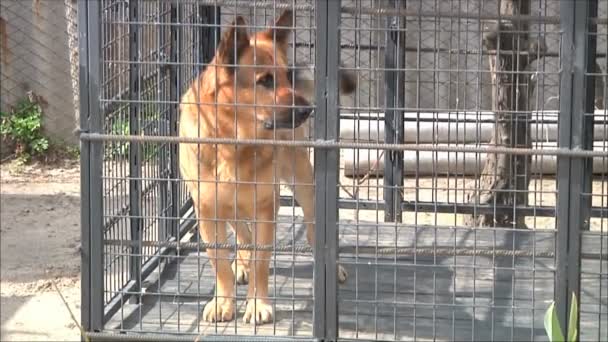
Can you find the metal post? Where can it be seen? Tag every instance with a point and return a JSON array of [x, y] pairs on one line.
[[394, 79], [327, 18], [92, 239], [582, 138], [332, 124], [320, 161], [165, 216], [209, 35], [174, 49], [173, 108], [85, 169], [134, 148], [215, 32], [588, 120], [575, 101], [563, 163]]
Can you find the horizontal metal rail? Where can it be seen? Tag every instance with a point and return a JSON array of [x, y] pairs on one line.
[[168, 337], [324, 144], [459, 208], [411, 206], [483, 52], [386, 11], [414, 13]]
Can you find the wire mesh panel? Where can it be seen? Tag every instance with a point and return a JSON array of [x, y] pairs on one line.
[[594, 237], [134, 100], [36, 58], [152, 53], [437, 272], [353, 170]]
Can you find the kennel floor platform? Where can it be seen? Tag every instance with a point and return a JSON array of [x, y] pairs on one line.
[[434, 294]]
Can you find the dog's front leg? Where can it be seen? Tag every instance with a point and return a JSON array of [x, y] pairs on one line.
[[297, 172], [240, 265], [259, 308], [221, 307]]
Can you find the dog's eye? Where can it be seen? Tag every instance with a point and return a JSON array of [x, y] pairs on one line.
[[266, 81]]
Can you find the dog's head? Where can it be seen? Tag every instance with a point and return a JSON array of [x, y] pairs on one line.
[[255, 75]]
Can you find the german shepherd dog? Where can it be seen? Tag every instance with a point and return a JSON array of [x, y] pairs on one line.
[[246, 92]]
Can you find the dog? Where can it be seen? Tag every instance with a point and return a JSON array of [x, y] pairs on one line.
[[247, 92]]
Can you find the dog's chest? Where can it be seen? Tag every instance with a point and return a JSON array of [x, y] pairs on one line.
[[246, 164]]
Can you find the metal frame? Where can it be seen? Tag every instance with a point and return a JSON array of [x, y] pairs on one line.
[[92, 237], [393, 121], [574, 207], [85, 148], [574, 174], [135, 150]]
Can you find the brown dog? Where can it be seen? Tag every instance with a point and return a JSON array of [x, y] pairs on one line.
[[246, 93]]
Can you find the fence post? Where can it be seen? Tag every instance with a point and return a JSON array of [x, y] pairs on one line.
[[165, 212], [327, 56], [575, 132], [85, 168], [591, 86], [209, 33], [320, 163], [89, 15], [174, 97], [394, 79], [135, 154]]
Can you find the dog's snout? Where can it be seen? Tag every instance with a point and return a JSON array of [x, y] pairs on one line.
[[296, 111], [302, 108]]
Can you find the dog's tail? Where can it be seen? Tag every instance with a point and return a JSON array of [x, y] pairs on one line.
[[348, 81]]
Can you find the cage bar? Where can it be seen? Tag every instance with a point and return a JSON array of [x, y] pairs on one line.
[[395, 96], [420, 117]]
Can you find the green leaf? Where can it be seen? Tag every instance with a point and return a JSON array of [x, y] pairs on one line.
[[23, 125], [572, 320], [40, 145], [552, 325]]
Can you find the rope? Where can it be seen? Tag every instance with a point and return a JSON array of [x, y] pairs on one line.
[[357, 250]]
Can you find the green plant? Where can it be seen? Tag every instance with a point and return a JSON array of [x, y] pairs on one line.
[[120, 126], [120, 150], [23, 125], [73, 152], [552, 327], [61, 150]]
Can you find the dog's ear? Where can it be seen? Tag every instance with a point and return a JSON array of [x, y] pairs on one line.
[[282, 28], [348, 82], [233, 43]]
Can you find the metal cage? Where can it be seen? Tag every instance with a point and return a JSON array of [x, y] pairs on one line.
[[463, 185]]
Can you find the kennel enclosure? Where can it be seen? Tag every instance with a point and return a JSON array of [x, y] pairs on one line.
[[463, 185]]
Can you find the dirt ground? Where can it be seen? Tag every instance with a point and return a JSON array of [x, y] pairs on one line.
[[40, 237]]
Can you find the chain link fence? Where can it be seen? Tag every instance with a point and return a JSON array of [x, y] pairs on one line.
[[39, 53]]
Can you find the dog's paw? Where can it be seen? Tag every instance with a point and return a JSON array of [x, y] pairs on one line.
[[241, 272], [258, 311], [342, 274], [219, 310]]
